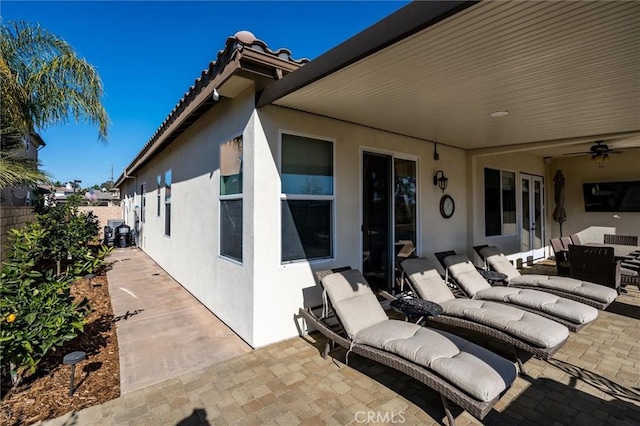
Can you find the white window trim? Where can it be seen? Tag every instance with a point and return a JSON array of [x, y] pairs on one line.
[[285, 196], [230, 197], [164, 192]]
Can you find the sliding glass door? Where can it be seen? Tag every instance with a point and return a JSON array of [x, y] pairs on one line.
[[389, 214]]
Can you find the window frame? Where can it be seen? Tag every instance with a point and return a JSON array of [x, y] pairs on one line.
[[230, 197], [143, 202], [310, 197], [158, 194], [515, 194], [167, 202]]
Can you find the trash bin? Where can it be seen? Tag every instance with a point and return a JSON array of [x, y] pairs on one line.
[[123, 236]]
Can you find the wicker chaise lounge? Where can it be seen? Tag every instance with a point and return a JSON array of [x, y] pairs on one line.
[[463, 373], [574, 315], [524, 331], [589, 293]]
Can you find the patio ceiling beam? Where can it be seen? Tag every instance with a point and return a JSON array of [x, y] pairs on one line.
[[407, 21]]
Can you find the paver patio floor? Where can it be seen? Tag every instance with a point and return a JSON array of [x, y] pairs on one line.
[[594, 379]]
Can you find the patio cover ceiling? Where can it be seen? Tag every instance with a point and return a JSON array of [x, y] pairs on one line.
[[567, 72]]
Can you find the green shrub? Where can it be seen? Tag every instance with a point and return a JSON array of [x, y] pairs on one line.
[[38, 314], [91, 262], [37, 311], [67, 231]]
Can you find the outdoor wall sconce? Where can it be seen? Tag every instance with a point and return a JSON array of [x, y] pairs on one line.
[[440, 180]]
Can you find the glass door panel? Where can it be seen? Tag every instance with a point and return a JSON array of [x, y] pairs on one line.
[[376, 219], [525, 234], [537, 237], [533, 226], [405, 206]]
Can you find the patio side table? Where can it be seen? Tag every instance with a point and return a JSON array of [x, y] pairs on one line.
[[415, 310], [493, 277]]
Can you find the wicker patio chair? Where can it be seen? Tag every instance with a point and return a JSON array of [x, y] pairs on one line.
[[561, 254], [566, 242], [586, 292], [597, 264], [524, 331], [625, 240], [574, 315], [462, 373]]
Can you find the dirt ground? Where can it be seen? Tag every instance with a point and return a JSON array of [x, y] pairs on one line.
[[45, 394]]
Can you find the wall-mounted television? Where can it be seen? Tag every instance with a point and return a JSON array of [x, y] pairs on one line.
[[612, 196]]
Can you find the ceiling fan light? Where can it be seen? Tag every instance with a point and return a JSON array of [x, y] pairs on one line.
[[594, 158], [605, 157]]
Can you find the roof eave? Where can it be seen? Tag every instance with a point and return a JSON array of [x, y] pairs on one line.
[[261, 66], [409, 20]]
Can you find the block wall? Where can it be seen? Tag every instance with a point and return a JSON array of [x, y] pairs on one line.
[[12, 218], [104, 214]]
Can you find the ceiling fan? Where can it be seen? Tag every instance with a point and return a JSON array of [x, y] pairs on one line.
[[598, 152]]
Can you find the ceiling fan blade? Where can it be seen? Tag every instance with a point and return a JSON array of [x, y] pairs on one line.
[[573, 154]]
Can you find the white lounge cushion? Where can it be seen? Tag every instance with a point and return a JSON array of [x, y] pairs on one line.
[[526, 326], [466, 274], [473, 369], [529, 327], [426, 280], [576, 312], [498, 262], [354, 302], [593, 291]]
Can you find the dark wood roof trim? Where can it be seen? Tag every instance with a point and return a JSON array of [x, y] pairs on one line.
[[251, 55], [37, 140], [414, 17]]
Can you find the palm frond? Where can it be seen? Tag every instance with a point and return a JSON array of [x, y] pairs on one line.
[[20, 172], [46, 81]]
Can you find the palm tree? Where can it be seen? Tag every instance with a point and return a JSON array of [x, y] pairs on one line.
[[43, 82]]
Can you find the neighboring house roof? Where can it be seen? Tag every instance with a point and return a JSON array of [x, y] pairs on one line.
[[244, 60], [37, 140]]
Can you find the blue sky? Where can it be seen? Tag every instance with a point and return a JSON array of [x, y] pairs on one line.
[[148, 54]]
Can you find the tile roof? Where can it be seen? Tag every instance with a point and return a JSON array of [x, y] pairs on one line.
[[234, 46]]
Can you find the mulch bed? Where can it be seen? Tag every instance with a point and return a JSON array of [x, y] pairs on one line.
[[45, 394]]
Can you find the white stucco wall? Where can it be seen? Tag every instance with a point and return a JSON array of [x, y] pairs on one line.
[[190, 254], [513, 162], [259, 298], [281, 289]]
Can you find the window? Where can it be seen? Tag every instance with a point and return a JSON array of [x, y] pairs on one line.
[[307, 198], [143, 208], [167, 203], [499, 202], [405, 200], [159, 181], [231, 199]]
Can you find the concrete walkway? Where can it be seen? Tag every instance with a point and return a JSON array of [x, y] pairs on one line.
[[163, 331], [593, 380]]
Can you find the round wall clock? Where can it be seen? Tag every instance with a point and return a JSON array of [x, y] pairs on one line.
[[447, 206]]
